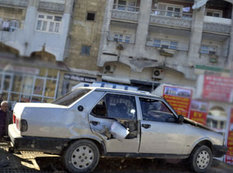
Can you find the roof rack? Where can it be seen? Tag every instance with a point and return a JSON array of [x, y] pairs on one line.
[[114, 86], [106, 85]]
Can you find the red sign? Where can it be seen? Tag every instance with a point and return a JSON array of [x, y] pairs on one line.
[[229, 155], [199, 111], [179, 99], [218, 88]]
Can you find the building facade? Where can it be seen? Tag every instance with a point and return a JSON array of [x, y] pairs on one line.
[[176, 42], [165, 41], [85, 35], [33, 45]]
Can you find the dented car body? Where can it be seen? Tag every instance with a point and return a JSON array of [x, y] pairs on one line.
[[92, 122]]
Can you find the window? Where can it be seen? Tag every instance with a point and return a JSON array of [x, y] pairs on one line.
[[155, 110], [116, 106], [213, 13], [173, 45], [207, 49], [157, 43], [121, 4], [48, 23], [169, 10], [86, 50], [122, 38], [29, 88], [71, 97], [165, 44], [91, 16]]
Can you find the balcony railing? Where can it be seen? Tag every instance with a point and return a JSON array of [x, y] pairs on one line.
[[19, 3], [216, 24], [128, 13], [171, 21], [50, 6], [183, 15]]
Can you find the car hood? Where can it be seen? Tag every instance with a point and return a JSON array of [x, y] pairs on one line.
[[194, 123]]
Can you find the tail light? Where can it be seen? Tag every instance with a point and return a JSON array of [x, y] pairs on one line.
[[14, 118]]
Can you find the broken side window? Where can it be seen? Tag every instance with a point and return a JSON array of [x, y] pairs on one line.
[[116, 106], [121, 106], [100, 109], [156, 110]]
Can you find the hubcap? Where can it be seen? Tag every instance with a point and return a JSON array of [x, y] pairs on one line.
[[82, 157], [203, 159]]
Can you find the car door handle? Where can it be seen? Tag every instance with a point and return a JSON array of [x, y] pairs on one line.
[[146, 126], [94, 123]]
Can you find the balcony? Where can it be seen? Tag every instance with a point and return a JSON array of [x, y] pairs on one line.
[[10, 3], [51, 7], [217, 25], [171, 19], [125, 13]]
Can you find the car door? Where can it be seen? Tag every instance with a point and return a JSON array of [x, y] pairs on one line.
[[121, 110], [160, 133]]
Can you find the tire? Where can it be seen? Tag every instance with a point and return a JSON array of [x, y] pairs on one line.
[[81, 156], [201, 159]]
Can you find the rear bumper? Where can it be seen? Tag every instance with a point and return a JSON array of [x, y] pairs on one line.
[[29, 143], [219, 150]]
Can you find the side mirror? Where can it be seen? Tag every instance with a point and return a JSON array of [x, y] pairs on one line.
[[180, 119]]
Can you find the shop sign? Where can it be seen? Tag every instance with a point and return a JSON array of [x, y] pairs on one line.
[[218, 88], [229, 155], [199, 111], [79, 78], [178, 98]]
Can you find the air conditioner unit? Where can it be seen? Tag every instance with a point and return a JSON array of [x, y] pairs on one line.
[[109, 68], [158, 74]]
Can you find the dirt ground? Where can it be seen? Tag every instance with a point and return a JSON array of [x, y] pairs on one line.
[[40, 162]]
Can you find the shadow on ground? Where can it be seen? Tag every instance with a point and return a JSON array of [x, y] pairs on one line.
[[15, 163]]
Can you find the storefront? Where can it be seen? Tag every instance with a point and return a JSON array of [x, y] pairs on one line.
[[25, 82]]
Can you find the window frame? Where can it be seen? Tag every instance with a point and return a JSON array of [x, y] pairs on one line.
[[122, 38], [167, 44], [113, 93], [173, 113], [207, 49], [214, 11], [91, 12], [165, 12], [85, 53], [44, 22]]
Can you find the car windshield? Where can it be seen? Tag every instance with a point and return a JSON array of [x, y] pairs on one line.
[[71, 97]]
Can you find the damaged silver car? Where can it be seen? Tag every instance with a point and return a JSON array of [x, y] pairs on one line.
[[91, 122]]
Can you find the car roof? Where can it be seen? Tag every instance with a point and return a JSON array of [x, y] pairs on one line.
[[122, 91]]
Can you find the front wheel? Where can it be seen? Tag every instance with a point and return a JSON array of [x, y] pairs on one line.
[[201, 159], [81, 156]]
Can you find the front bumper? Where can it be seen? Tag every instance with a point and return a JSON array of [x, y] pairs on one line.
[[219, 150]]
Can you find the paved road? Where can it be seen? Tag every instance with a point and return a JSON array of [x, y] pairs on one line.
[[40, 162]]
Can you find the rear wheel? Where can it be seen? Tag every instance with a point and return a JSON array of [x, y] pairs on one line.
[[81, 156], [201, 159]]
